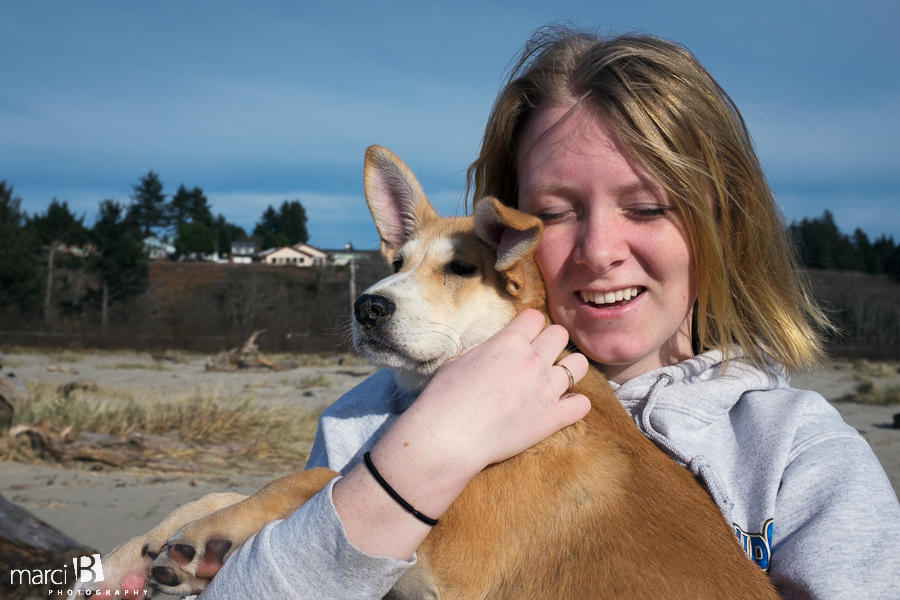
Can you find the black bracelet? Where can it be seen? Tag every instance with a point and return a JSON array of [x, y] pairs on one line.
[[384, 484]]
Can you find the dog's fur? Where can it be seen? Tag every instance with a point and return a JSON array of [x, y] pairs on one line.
[[595, 511]]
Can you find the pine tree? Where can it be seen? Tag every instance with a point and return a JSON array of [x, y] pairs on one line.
[[119, 260], [148, 205], [194, 239], [189, 206], [289, 221], [268, 222], [292, 221], [888, 254], [20, 282], [821, 245], [867, 258]]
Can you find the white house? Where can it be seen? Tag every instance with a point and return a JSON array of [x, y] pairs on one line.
[[242, 252], [343, 257], [317, 256], [157, 249], [285, 256]]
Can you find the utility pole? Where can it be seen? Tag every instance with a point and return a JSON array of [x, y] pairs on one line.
[[352, 285]]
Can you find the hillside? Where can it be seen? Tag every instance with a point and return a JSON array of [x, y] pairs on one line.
[[212, 307]]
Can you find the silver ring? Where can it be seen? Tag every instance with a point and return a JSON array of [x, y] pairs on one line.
[[569, 373]]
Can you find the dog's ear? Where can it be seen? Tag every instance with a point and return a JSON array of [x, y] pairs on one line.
[[395, 198], [513, 233]]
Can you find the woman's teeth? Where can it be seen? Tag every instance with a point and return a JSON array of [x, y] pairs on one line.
[[611, 297]]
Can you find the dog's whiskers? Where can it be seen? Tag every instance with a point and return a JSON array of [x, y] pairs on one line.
[[455, 337]]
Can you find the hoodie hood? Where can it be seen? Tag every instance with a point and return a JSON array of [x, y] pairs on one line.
[[705, 416], [700, 389]]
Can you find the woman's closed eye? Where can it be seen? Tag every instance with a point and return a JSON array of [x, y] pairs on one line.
[[555, 215], [648, 212]]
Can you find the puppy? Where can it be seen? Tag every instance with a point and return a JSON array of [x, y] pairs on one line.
[[595, 511]]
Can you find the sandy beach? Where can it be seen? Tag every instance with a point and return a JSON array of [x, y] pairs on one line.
[[101, 508]]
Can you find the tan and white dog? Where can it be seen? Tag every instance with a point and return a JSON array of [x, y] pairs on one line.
[[595, 511]]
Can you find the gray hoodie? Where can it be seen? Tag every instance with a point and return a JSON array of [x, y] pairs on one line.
[[807, 498]]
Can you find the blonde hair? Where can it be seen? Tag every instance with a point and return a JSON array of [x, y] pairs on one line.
[[682, 127]]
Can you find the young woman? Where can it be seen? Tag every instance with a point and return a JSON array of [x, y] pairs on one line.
[[666, 262]]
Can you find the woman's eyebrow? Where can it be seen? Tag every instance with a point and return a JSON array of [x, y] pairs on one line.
[[640, 187]]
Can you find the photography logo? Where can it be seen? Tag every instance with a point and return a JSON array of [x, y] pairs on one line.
[[88, 568]]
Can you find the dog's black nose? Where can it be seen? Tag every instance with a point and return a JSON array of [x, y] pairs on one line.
[[371, 310]]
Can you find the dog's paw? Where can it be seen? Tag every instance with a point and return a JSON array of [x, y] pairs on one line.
[[125, 572], [191, 557], [181, 569]]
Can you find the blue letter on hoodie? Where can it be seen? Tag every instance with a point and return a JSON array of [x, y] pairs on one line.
[[758, 546]]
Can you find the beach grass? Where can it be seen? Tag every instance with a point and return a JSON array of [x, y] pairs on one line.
[[197, 422], [869, 393]]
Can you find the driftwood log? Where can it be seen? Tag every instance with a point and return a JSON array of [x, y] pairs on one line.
[[236, 357], [136, 449], [246, 357], [12, 395], [29, 544]]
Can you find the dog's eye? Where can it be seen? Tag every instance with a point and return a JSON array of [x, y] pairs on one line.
[[397, 264], [462, 269]]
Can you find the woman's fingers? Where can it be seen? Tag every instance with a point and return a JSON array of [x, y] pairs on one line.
[[575, 367], [549, 342]]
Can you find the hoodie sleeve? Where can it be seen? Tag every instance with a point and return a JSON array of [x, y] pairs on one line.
[[837, 532], [307, 555]]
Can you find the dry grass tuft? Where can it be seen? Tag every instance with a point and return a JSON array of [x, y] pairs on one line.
[[863, 369], [868, 393], [204, 423], [319, 380]]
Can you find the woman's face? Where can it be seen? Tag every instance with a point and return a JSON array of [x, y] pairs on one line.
[[615, 253]]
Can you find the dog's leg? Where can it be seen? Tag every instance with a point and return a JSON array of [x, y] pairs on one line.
[[127, 567], [192, 556]]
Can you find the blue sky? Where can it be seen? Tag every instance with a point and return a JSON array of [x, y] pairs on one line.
[[259, 102]]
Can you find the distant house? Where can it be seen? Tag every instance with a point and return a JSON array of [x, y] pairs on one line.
[[242, 252], [299, 255], [316, 256], [158, 249], [285, 256], [343, 257]]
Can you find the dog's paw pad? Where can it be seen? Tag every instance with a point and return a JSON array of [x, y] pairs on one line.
[[165, 576], [134, 584], [213, 558], [183, 554], [216, 550]]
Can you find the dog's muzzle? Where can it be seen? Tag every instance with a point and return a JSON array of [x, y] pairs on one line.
[[371, 310]]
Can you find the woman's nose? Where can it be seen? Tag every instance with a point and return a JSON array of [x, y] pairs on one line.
[[601, 244]]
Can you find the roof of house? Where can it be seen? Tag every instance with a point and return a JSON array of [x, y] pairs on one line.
[[310, 250]]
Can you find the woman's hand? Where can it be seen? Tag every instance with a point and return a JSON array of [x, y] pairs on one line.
[[496, 400], [488, 405]]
